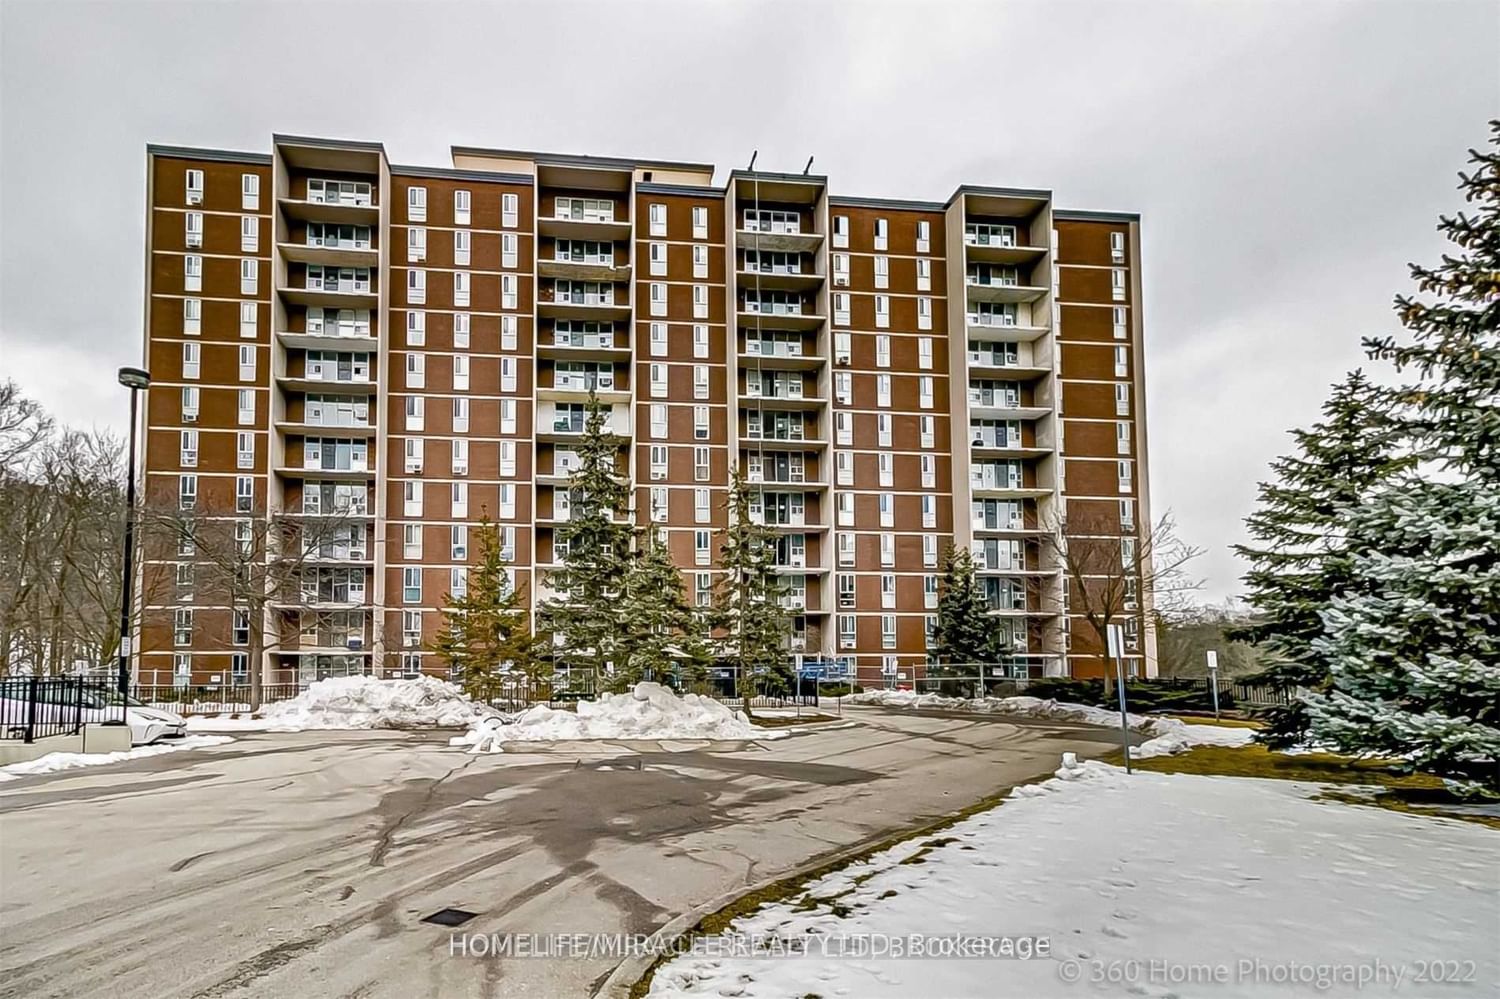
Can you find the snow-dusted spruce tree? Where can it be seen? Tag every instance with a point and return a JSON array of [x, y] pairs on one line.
[[585, 615], [663, 633], [748, 611], [487, 635], [1413, 642], [966, 634], [1299, 557]]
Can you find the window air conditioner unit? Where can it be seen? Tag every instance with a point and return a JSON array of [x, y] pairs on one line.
[[355, 644], [843, 359], [1131, 605], [414, 469]]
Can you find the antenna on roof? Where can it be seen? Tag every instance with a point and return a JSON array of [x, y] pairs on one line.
[[808, 167], [751, 167]]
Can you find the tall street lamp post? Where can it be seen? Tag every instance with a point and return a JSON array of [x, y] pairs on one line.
[[134, 379]]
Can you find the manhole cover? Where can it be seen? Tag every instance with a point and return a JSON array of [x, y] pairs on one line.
[[449, 917]]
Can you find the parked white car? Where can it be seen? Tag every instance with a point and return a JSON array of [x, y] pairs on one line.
[[56, 706]]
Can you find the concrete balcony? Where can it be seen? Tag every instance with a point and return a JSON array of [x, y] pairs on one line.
[[801, 322], [995, 253], [615, 310], [1007, 492], [321, 341], [778, 280], [290, 383], [1017, 293], [336, 255], [787, 403], [590, 229], [782, 242], [583, 352], [1003, 410], [571, 270], [781, 362], [781, 444], [997, 333], [1002, 450], [324, 430], [610, 396], [980, 365], [326, 474], [340, 212], [331, 299]]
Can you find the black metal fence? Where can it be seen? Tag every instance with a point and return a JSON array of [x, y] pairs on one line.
[[214, 699], [39, 707]]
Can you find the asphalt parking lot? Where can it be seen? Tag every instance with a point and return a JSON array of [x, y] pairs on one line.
[[303, 864]]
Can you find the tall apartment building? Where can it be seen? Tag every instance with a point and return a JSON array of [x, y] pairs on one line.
[[414, 346]]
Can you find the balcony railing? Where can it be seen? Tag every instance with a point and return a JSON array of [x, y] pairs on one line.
[[993, 437], [980, 234], [339, 192], [774, 348]]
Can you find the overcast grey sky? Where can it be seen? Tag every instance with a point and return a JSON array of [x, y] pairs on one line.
[[1288, 158]]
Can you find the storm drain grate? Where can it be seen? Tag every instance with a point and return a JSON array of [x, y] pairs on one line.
[[449, 917]]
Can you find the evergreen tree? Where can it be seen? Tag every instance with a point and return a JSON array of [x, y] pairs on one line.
[[1299, 557], [1413, 642], [487, 635], [966, 633], [662, 633], [748, 606], [585, 615]]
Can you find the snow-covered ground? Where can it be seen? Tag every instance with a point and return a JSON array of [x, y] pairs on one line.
[[53, 762], [359, 702], [1151, 885], [1168, 735], [649, 711]]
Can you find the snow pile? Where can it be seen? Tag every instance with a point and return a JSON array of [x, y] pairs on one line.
[[362, 702], [1169, 736], [1168, 871], [53, 762], [650, 711]]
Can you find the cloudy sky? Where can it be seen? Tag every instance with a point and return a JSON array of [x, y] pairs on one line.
[[1288, 158]]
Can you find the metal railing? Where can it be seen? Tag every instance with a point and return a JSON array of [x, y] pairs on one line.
[[212, 699], [40, 707]]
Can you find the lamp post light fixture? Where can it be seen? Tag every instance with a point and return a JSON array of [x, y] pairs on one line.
[[134, 379]]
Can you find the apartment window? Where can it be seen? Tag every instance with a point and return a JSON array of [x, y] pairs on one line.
[[924, 241], [182, 631], [700, 381], [1119, 322], [841, 230], [192, 273], [887, 549], [658, 217], [924, 275], [458, 499], [509, 291], [883, 390], [461, 281], [700, 340], [247, 363], [416, 287], [700, 222], [659, 504], [658, 339], [700, 301], [1122, 399], [887, 506], [1127, 515], [187, 449], [510, 210], [415, 448], [929, 510], [885, 461], [461, 416], [929, 471], [700, 423], [195, 187], [841, 270], [416, 370], [658, 379], [249, 233], [510, 249], [701, 508], [929, 550], [843, 387], [843, 428], [1122, 362], [841, 308], [1123, 473], [927, 428], [460, 450], [460, 373], [190, 404], [700, 261], [249, 320], [193, 226], [460, 207], [187, 492], [416, 329], [1117, 247], [416, 245], [845, 503], [507, 459], [883, 350], [1117, 285], [843, 347], [658, 259], [411, 584], [507, 374], [846, 548], [924, 313], [888, 590], [924, 352], [250, 192], [882, 272], [415, 409], [411, 501], [191, 355], [461, 244], [700, 464], [244, 450], [882, 311], [1122, 437], [658, 462], [507, 492], [416, 204], [192, 316], [658, 299], [924, 391], [249, 277], [658, 421], [702, 553], [882, 233], [843, 463]]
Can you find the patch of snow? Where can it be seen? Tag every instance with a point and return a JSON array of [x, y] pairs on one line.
[[1135, 880], [650, 711], [53, 762], [361, 702], [1169, 736]]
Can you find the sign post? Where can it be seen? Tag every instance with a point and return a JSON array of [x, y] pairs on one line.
[[1213, 678], [1115, 640]]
